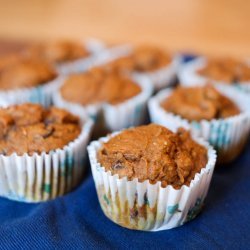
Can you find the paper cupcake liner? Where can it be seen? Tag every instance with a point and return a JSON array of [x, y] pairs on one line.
[[149, 207], [228, 136], [188, 76], [164, 77], [115, 117], [41, 94], [40, 177]]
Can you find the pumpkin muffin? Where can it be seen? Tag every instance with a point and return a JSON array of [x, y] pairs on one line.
[[143, 59], [113, 99], [99, 85], [42, 151], [149, 178], [198, 103], [153, 153], [226, 70], [26, 73], [59, 52], [29, 128]]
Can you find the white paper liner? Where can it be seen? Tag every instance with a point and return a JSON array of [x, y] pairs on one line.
[[144, 206], [115, 117], [188, 76], [165, 76], [228, 136], [41, 94], [45, 176]]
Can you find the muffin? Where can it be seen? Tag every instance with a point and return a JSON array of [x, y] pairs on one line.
[[60, 51], [150, 178], [67, 56], [225, 71], [41, 151], [28, 80], [200, 103], [159, 66], [220, 115], [110, 97]]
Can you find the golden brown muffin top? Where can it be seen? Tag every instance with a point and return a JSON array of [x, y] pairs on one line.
[[198, 103], [30, 128], [26, 73], [143, 59], [154, 153], [59, 52], [227, 70], [99, 85], [9, 60]]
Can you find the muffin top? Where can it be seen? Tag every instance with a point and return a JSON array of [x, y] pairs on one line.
[[198, 103], [9, 60], [29, 128], [226, 70], [154, 153], [26, 73], [143, 59], [99, 85], [59, 52]]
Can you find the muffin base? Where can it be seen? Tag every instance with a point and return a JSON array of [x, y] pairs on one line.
[[149, 207]]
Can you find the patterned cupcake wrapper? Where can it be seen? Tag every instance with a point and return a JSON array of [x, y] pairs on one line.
[[41, 94], [36, 178], [164, 77], [188, 76], [228, 136], [149, 207], [115, 117]]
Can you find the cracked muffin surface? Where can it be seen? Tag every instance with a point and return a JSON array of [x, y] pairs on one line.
[[198, 103], [26, 73], [99, 85], [30, 128], [226, 70], [153, 153]]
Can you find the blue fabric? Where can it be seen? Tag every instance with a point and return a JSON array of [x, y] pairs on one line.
[[76, 221]]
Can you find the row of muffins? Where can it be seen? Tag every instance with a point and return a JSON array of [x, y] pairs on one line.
[[147, 178]]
